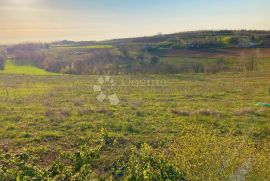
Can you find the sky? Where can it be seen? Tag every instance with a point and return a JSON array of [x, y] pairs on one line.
[[51, 20]]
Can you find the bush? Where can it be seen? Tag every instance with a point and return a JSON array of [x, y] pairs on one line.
[[144, 164]]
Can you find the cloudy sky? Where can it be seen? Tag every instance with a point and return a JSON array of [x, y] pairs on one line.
[[49, 20]]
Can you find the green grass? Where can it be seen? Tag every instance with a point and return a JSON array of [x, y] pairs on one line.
[[206, 126], [12, 68]]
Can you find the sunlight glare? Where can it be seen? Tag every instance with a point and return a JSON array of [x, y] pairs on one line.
[[21, 2]]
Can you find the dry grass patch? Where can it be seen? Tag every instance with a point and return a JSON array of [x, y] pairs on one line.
[[245, 111], [65, 112], [208, 112], [85, 111], [181, 112]]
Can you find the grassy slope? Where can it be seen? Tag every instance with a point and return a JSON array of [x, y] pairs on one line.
[[11, 68]]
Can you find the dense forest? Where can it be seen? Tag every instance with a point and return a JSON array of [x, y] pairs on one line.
[[200, 51]]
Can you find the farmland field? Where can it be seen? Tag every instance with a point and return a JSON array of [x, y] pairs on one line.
[[198, 126]]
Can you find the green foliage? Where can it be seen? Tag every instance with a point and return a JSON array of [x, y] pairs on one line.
[[74, 166], [68, 166], [106, 139], [143, 164]]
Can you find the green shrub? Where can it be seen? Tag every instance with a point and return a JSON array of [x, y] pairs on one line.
[[68, 166], [144, 164]]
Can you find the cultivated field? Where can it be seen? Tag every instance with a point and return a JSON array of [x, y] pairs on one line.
[[175, 127]]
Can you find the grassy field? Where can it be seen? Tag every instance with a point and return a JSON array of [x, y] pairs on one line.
[[177, 127], [11, 68]]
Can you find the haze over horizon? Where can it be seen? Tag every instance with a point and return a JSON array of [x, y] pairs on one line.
[[48, 20]]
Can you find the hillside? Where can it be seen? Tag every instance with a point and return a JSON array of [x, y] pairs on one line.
[[201, 51]]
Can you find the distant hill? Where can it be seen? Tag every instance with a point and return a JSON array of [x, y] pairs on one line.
[[193, 39], [197, 51]]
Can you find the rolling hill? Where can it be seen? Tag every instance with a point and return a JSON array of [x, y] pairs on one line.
[[187, 52]]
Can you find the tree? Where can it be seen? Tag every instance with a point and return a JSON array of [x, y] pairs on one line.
[[2, 62]]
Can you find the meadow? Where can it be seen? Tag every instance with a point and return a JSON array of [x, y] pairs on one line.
[[190, 127], [12, 68]]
